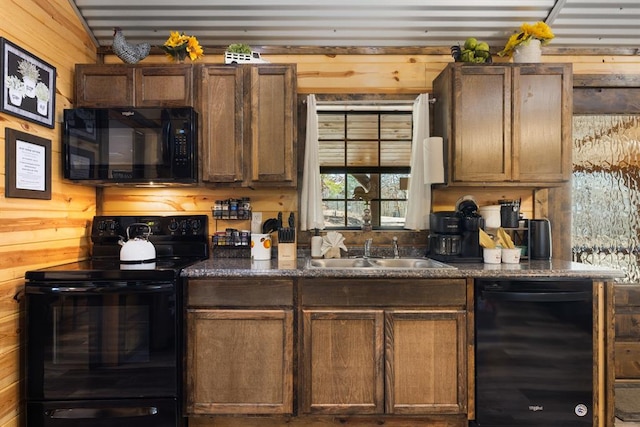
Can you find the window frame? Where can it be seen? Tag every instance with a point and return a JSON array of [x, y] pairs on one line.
[[376, 202]]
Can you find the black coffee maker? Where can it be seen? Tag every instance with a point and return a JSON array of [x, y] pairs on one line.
[[454, 235]]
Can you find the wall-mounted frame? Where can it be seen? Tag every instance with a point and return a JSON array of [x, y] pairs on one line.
[[28, 165], [28, 85]]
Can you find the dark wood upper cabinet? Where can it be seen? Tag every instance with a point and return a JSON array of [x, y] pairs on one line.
[[248, 124], [505, 124], [124, 85]]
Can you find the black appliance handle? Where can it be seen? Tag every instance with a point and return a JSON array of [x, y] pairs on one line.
[[91, 290], [552, 296], [88, 413]]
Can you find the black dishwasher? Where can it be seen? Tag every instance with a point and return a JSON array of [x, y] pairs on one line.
[[534, 352]]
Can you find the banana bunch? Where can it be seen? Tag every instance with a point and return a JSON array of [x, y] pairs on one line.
[[475, 51]]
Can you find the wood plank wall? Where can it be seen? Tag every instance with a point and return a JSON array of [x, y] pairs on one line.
[[37, 233]]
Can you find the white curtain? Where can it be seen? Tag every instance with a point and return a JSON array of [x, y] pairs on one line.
[[419, 196], [311, 214]]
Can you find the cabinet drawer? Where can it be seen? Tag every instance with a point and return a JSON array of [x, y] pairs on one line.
[[628, 326], [627, 295], [241, 292], [627, 360], [383, 293]]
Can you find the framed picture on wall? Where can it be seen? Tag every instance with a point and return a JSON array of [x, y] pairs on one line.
[[28, 165], [28, 85]]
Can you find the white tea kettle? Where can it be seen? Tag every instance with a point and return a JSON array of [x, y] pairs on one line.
[[139, 249]]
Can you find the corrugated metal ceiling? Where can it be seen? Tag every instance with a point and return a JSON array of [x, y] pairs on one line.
[[362, 23]]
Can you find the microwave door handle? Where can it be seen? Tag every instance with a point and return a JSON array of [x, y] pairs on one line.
[[167, 155], [93, 413]]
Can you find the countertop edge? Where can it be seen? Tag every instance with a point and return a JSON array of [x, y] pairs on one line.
[[243, 267]]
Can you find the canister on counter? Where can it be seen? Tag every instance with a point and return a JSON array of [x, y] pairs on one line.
[[509, 213]]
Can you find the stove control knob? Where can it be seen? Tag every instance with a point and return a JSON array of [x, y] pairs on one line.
[[195, 225], [173, 225], [185, 226]]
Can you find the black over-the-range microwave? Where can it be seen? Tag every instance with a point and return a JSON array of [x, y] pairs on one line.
[[102, 146]]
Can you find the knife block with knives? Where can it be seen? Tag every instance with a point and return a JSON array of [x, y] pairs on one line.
[[287, 248]]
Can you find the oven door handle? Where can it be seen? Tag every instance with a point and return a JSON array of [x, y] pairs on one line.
[[88, 413], [147, 288]]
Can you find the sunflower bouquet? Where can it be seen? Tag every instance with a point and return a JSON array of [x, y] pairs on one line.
[[538, 31], [178, 46]]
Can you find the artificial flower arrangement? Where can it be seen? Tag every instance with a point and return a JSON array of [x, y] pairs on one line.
[[28, 70], [14, 83], [178, 46], [538, 31]]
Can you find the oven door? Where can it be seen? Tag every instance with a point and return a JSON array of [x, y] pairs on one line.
[[102, 340]]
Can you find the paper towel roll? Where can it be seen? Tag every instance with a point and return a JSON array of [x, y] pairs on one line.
[[434, 160], [316, 247]]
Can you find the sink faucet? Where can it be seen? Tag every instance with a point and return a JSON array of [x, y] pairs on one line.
[[396, 251], [367, 247]]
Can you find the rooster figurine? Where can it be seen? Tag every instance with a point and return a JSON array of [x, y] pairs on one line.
[[129, 53]]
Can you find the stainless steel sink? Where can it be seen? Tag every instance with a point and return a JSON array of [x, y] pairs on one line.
[[376, 263], [408, 263]]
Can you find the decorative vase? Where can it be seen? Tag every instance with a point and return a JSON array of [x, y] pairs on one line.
[[42, 107], [29, 87], [529, 52]]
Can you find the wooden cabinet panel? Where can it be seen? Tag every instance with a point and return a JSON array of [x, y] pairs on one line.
[[249, 124], [272, 125], [240, 292], [426, 362], [343, 364], [384, 347], [542, 123], [239, 362], [164, 86], [221, 110], [384, 293], [627, 332], [482, 107], [627, 360], [124, 85], [104, 86], [505, 123]]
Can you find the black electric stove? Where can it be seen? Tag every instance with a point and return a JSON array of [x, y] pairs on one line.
[[105, 338], [180, 240]]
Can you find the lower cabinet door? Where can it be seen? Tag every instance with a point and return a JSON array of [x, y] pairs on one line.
[[426, 362], [239, 362], [372, 361], [342, 362]]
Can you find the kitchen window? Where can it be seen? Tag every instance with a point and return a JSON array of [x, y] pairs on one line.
[[364, 154]]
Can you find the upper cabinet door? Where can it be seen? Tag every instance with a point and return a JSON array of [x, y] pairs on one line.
[[124, 85], [103, 86], [164, 86], [542, 116], [271, 127], [249, 124], [482, 124], [505, 123], [221, 110]]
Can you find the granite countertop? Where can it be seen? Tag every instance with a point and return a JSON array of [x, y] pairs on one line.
[[244, 267]]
